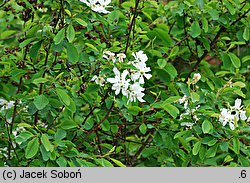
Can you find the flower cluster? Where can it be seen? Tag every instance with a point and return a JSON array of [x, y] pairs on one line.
[[232, 115], [196, 78], [6, 105], [98, 6], [129, 82], [189, 116]]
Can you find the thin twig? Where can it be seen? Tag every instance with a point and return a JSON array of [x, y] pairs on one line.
[[97, 125]]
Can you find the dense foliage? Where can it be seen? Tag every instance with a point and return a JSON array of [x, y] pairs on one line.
[[124, 83]]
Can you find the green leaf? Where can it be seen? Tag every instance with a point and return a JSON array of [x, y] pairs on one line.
[[68, 124], [61, 161], [70, 33], [34, 49], [214, 14], [246, 58], [6, 34], [244, 161], [81, 22], [46, 143], [196, 148], [246, 33], [40, 80], [236, 145], [211, 152], [171, 70], [41, 102], [32, 148], [230, 7], [179, 134], [172, 110], [195, 29], [143, 128], [206, 126], [161, 63], [59, 36], [63, 96], [174, 52], [45, 154], [204, 24], [72, 53], [103, 162], [163, 75], [235, 60], [60, 134], [117, 162]]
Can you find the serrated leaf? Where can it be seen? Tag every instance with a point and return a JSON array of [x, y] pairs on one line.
[[32, 148], [70, 33], [195, 29], [59, 36], [196, 148], [63, 96], [72, 53], [41, 102]]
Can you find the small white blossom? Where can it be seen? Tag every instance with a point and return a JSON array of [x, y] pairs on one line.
[[183, 99], [6, 105], [232, 115], [121, 57], [140, 56], [109, 55], [136, 92], [119, 81], [99, 79], [189, 125], [141, 72], [196, 78], [97, 5]]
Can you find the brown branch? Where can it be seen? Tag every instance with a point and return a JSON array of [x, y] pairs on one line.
[[212, 45], [97, 125], [148, 141], [130, 27]]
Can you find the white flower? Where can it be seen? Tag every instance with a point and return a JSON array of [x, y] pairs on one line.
[[233, 114], [109, 55], [99, 79], [121, 56], [196, 78], [189, 125], [136, 92], [183, 99], [6, 105], [119, 81], [97, 5], [140, 56], [142, 71]]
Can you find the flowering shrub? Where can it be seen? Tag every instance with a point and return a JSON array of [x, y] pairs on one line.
[[124, 83]]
